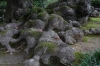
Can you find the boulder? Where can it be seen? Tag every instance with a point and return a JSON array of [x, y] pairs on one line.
[[95, 30], [32, 36], [74, 23], [43, 16], [56, 22], [72, 36], [51, 45], [34, 24], [66, 12]]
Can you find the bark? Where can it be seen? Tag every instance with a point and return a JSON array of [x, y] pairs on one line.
[[13, 5]]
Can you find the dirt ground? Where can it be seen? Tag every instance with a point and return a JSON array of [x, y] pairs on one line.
[[91, 45]]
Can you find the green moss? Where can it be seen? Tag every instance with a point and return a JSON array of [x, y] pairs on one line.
[[35, 34], [95, 19], [52, 16], [37, 9], [24, 17], [30, 23], [78, 56], [3, 32], [43, 16], [51, 47], [23, 31], [85, 39], [92, 23]]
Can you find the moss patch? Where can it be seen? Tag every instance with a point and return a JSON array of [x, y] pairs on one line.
[[35, 34], [51, 47], [93, 23], [30, 23], [2, 33], [37, 9]]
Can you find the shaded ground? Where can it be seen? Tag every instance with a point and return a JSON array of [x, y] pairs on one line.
[[11, 60]]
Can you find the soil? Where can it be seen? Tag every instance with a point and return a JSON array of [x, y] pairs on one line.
[[15, 59], [91, 45]]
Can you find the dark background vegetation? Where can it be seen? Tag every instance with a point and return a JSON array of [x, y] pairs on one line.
[[39, 3]]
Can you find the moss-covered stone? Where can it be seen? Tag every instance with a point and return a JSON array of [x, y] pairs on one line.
[[24, 17], [30, 23], [35, 34], [3, 32], [37, 9], [52, 16], [43, 16], [51, 47]]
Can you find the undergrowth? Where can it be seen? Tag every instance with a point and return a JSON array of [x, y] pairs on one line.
[[87, 59]]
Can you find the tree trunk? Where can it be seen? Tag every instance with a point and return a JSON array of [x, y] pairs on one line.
[[13, 5]]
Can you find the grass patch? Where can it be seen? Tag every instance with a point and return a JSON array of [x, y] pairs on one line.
[[88, 37], [87, 59], [85, 39], [92, 23], [49, 45]]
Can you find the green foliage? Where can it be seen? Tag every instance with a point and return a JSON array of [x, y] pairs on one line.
[[87, 59], [92, 59], [97, 2], [2, 7], [43, 3]]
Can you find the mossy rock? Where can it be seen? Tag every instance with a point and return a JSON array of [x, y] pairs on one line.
[[34, 33], [37, 10], [53, 16], [43, 16], [30, 23], [25, 16], [2, 33], [51, 46]]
